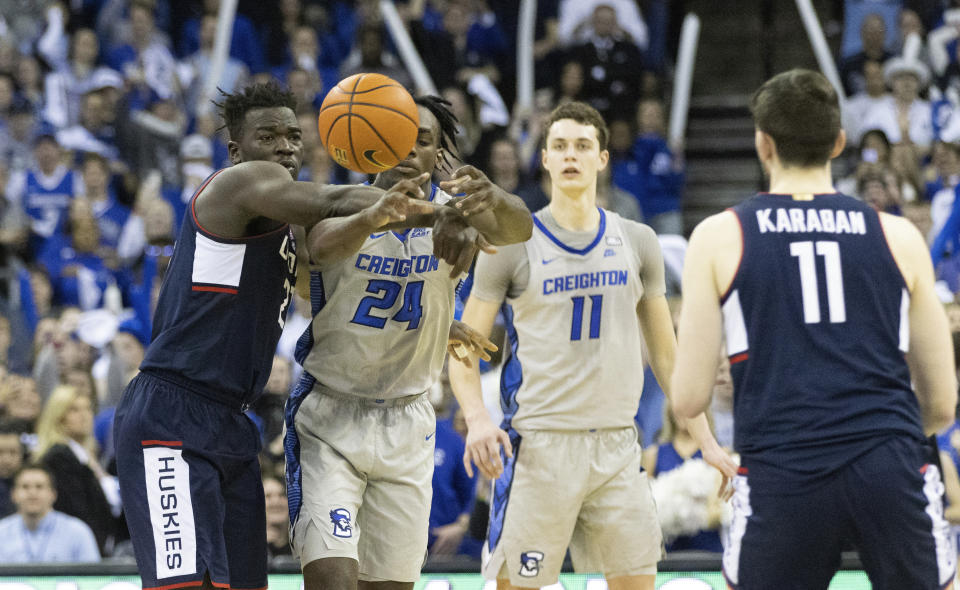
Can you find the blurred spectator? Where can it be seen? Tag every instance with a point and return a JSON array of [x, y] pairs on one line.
[[469, 43], [944, 170], [577, 21], [151, 139], [78, 270], [609, 195], [145, 59], [305, 54], [93, 134], [70, 80], [278, 517], [39, 534], [503, 168], [20, 402], [858, 105], [653, 173], [11, 460], [16, 142], [611, 62], [903, 116], [29, 78], [245, 46], [370, 55], [196, 164], [125, 355], [570, 83], [111, 216], [66, 446], [677, 446], [909, 23], [453, 492], [879, 187], [307, 88], [873, 31], [44, 192], [195, 67]]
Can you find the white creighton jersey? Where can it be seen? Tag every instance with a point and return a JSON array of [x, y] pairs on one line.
[[381, 317], [574, 334]]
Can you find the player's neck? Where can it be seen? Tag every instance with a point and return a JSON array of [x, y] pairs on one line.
[[575, 213], [795, 180]]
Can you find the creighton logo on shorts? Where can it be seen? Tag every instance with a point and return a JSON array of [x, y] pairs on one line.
[[530, 563], [340, 517]]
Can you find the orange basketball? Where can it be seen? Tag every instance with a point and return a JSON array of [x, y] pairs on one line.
[[368, 123]]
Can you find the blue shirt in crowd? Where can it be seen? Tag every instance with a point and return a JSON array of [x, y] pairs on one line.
[[57, 538]]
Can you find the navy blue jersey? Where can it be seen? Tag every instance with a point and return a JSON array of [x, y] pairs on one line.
[[816, 325], [221, 310]]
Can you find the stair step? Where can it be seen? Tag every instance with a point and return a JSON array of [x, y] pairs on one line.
[[722, 170]]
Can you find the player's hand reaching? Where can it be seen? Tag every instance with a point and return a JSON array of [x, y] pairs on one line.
[[464, 341], [484, 440], [481, 193], [456, 243], [402, 199], [722, 461]]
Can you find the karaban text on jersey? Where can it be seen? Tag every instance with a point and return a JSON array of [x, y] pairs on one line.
[[795, 220]]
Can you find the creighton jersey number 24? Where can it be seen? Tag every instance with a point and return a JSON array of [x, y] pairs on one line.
[[371, 310]]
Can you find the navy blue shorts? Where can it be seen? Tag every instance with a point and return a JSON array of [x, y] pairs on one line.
[[191, 488], [888, 504]]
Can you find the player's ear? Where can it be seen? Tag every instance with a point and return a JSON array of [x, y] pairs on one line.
[[604, 159], [233, 148], [543, 157], [839, 144], [766, 148]]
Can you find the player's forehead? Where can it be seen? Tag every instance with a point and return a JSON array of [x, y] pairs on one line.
[[272, 118], [428, 122], [571, 130]]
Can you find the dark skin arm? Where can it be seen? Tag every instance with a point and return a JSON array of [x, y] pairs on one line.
[[501, 217], [255, 197]]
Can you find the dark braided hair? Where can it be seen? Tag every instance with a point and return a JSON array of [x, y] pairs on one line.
[[257, 96], [440, 107]]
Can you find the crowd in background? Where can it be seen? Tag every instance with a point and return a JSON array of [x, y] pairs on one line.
[[107, 130]]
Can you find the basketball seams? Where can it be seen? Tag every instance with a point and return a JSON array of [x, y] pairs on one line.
[[372, 105], [353, 152], [382, 139], [368, 89]]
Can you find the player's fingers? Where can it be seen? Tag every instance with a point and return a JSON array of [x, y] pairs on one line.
[[480, 456], [468, 171], [493, 447], [504, 439], [470, 187], [468, 462], [464, 259], [477, 203], [453, 186], [484, 245]]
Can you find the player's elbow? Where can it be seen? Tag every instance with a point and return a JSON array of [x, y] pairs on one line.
[[942, 412], [684, 406]]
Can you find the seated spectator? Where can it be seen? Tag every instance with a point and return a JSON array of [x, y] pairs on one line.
[[675, 447], [16, 142], [278, 517], [196, 164], [145, 59], [873, 31], [611, 61], [576, 21], [92, 134], [29, 77], [150, 139], [944, 170], [112, 217], [11, 460], [453, 492], [245, 45], [20, 402], [44, 192], [77, 262], [66, 446], [195, 67], [269, 406], [305, 54], [570, 83], [66, 85], [503, 167], [370, 55], [858, 105], [39, 534], [903, 116], [878, 187], [653, 173]]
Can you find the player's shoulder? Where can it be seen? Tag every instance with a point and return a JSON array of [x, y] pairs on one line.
[[718, 225]]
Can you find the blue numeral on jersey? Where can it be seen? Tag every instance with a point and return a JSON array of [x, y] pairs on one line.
[[410, 310], [385, 296], [596, 308]]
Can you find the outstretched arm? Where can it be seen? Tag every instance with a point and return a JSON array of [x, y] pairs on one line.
[[500, 216]]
